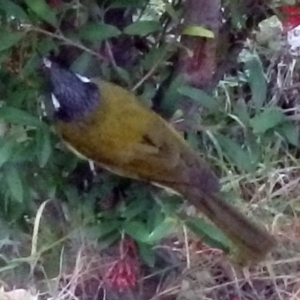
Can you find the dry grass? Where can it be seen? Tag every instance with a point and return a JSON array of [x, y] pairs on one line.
[[190, 269], [196, 272], [200, 272]]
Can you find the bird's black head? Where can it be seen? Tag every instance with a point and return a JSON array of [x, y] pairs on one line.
[[73, 96]]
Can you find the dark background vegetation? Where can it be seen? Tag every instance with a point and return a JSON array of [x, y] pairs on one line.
[[200, 64]]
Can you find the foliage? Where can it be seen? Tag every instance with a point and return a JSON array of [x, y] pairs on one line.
[[236, 130]]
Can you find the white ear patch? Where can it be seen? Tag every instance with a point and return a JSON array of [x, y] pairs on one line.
[[55, 102], [47, 62], [83, 78]]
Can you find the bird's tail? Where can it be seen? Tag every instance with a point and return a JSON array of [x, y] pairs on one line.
[[252, 242]]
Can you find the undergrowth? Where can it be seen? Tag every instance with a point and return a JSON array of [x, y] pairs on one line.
[[67, 233]]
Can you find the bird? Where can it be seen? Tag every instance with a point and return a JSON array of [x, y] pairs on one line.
[[109, 125]]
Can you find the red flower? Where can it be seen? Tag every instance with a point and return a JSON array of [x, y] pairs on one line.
[[292, 19], [124, 271], [122, 274]]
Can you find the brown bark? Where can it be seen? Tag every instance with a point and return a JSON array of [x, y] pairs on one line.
[[197, 59], [207, 60]]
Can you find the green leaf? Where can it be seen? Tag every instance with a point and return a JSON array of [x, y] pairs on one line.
[[43, 10], [171, 11], [72, 194], [236, 153], [31, 65], [43, 148], [142, 28], [46, 45], [124, 75], [13, 10], [17, 116], [169, 96], [198, 31], [267, 119], [237, 18], [105, 228], [257, 82], [81, 64], [136, 230], [45, 185], [215, 142], [210, 234], [147, 254], [200, 97], [253, 147], [6, 151], [162, 230], [95, 32], [24, 153], [290, 132], [135, 208], [9, 38], [241, 110], [153, 56], [168, 205], [109, 240], [14, 183]]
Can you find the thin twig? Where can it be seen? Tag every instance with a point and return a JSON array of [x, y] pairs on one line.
[[186, 242], [66, 40], [148, 74], [110, 54]]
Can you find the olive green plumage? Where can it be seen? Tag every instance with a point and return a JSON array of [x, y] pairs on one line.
[[114, 129]]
